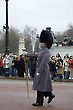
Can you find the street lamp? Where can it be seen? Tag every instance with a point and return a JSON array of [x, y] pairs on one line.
[[6, 27], [7, 37]]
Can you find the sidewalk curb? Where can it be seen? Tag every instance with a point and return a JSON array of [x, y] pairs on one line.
[[31, 79]]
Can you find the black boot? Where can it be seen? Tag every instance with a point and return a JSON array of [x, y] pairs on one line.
[[51, 96], [37, 104], [39, 101]]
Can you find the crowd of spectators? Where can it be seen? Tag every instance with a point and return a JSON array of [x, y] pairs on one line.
[[14, 66], [61, 68]]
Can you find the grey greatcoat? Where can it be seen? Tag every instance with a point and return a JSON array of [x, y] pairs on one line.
[[42, 80]]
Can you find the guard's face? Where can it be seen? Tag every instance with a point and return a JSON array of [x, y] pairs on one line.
[[42, 44]]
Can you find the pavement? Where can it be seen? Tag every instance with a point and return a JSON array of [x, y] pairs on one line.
[[13, 96]]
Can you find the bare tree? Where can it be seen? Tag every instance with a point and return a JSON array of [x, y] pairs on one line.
[[59, 36], [14, 40], [30, 35], [69, 33]]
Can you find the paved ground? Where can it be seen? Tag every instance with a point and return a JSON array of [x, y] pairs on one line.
[[13, 96]]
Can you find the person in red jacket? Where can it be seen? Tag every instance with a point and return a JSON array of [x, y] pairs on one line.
[[71, 66], [1, 66]]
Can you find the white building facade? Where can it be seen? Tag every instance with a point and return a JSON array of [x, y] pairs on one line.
[[21, 45]]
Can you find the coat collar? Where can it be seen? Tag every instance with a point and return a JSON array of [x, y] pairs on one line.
[[44, 47]]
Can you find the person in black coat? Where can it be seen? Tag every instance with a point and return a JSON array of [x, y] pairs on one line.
[[33, 60], [21, 66], [52, 65]]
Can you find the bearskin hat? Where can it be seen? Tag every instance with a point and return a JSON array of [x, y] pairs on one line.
[[46, 37]]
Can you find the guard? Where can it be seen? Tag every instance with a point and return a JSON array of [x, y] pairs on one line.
[[42, 80]]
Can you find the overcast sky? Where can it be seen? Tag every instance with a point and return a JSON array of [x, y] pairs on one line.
[[57, 14]]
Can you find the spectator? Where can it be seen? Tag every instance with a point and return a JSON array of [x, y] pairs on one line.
[[1, 66], [11, 57], [21, 66], [52, 65], [33, 65], [6, 65], [71, 66], [66, 67], [59, 64], [14, 66]]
